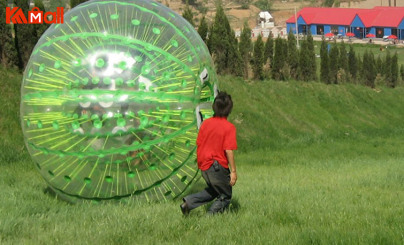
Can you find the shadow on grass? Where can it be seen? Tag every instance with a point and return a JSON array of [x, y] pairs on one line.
[[52, 193]]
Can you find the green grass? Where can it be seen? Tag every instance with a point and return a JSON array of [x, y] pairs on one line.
[[317, 164]]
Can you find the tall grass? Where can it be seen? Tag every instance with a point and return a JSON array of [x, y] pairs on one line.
[[317, 165]]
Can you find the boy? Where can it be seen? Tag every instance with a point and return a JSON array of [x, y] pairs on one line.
[[215, 144]]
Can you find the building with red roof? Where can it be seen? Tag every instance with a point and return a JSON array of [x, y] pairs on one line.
[[380, 21]]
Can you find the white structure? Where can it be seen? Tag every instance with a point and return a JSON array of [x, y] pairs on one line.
[[266, 20], [275, 31]]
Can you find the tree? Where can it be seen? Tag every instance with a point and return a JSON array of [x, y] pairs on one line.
[[368, 71], [352, 63], [25, 36], [258, 59], [190, 2], [40, 28], [223, 45], [203, 29], [245, 47], [334, 52], [235, 62], [324, 69], [269, 50], [359, 73], [402, 71], [188, 15], [279, 59], [264, 5], [312, 57], [8, 51], [304, 62], [293, 55], [218, 40], [328, 3], [379, 65], [387, 66], [73, 3], [394, 71], [343, 58]]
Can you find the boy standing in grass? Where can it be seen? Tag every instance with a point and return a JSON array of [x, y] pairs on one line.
[[215, 144]]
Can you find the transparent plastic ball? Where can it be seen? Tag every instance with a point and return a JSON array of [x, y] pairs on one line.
[[111, 101]]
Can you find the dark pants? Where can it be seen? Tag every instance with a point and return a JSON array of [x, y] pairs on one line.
[[218, 180]]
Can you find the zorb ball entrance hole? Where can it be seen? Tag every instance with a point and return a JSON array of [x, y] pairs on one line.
[[111, 101]]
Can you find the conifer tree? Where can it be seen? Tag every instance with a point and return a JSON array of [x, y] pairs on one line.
[[279, 59], [387, 66], [40, 28], [235, 61], [379, 65], [203, 29], [245, 47], [325, 69], [8, 51], [209, 41], [394, 71], [219, 43], [402, 71], [258, 59], [343, 58], [312, 57], [352, 63], [25, 36], [293, 55], [73, 3], [304, 69], [269, 50], [368, 69], [334, 54], [188, 15], [359, 73], [223, 45]]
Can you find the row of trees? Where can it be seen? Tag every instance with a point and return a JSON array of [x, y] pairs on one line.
[[283, 59], [279, 59], [18, 40], [276, 58], [340, 66]]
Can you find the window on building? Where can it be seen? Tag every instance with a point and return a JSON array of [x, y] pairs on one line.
[[379, 32], [320, 29], [334, 29]]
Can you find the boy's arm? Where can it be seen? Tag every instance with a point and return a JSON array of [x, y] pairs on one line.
[[233, 173]]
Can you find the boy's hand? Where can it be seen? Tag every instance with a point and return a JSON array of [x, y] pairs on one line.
[[233, 178]]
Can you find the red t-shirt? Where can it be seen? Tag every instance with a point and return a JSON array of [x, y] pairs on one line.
[[215, 136]]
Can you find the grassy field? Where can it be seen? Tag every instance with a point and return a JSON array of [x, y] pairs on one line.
[[317, 164]]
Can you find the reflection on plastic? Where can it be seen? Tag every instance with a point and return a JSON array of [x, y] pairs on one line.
[[109, 101]]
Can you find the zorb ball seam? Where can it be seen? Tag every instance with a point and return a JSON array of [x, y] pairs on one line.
[[111, 101]]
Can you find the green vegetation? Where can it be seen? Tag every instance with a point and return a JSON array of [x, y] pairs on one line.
[[74, 3], [188, 15], [203, 29], [317, 164], [245, 47], [258, 59]]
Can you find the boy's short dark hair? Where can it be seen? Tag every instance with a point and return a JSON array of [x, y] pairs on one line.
[[222, 105]]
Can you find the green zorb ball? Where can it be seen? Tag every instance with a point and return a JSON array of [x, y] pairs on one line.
[[111, 101]]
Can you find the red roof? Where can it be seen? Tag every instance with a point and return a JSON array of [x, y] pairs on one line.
[[378, 16]]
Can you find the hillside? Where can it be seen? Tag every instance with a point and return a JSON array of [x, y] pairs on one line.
[[281, 9], [267, 114], [274, 114]]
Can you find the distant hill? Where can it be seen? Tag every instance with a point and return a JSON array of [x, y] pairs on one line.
[[281, 10]]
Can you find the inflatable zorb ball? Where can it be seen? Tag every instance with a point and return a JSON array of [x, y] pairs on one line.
[[111, 98]]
